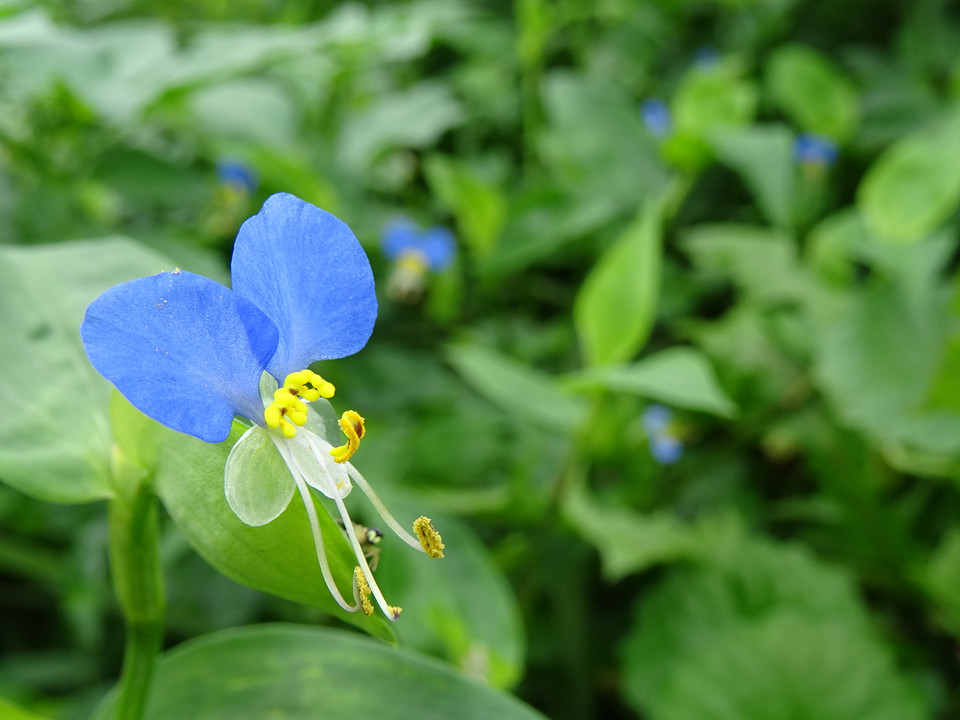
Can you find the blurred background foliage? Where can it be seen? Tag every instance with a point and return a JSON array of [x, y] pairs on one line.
[[685, 403]]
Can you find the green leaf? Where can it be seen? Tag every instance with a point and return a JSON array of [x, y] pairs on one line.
[[279, 557], [678, 376], [712, 97], [629, 542], [596, 145], [413, 118], [812, 92], [9, 711], [478, 205], [761, 262], [528, 394], [877, 358], [55, 435], [763, 157], [914, 187], [269, 117], [729, 613], [939, 576], [300, 673], [616, 306], [786, 667]]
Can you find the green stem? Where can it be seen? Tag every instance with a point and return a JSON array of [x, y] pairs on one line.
[[138, 582]]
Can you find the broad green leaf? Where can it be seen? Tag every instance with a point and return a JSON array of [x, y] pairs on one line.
[[712, 97], [269, 117], [596, 145], [785, 667], [413, 118], [812, 92], [301, 673], [939, 576], [739, 585], [678, 376], [914, 187], [478, 205], [461, 603], [877, 358], [9, 711], [759, 261], [763, 157], [528, 394], [279, 557], [629, 542], [256, 488], [616, 305], [55, 435]]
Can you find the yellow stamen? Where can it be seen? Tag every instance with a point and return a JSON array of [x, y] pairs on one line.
[[352, 425], [288, 407], [395, 612], [362, 593], [430, 539]]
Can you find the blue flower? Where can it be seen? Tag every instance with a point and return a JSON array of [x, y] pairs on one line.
[[192, 354], [814, 150], [656, 116], [706, 57], [414, 252], [436, 245], [665, 444], [236, 174]]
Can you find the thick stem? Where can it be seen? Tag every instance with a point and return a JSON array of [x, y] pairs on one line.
[[138, 583]]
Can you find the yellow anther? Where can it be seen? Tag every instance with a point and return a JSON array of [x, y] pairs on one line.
[[362, 593], [395, 611], [429, 538], [288, 407], [352, 425], [413, 261]]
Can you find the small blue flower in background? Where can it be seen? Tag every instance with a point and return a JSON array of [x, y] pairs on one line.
[[237, 175], [814, 151], [415, 252], [656, 116], [665, 444], [706, 57], [192, 354]]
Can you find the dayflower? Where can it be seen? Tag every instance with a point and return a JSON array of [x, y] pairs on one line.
[[192, 354], [236, 175], [414, 252], [656, 117], [665, 444], [814, 151]]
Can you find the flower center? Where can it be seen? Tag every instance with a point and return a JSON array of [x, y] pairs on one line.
[[289, 409]]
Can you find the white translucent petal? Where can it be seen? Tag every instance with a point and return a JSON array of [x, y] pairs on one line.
[[256, 481], [312, 456]]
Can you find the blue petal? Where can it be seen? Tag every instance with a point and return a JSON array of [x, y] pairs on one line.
[[656, 418], [665, 449], [439, 246], [399, 235], [183, 349], [306, 270]]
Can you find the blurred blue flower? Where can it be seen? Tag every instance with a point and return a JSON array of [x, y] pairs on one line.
[[656, 116], [414, 252], [706, 56], [665, 444], [436, 246], [191, 353], [814, 150], [236, 174]]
